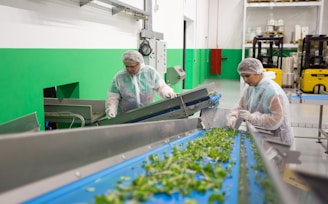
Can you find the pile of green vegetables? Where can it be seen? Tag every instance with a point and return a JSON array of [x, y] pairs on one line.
[[262, 178], [195, 167]]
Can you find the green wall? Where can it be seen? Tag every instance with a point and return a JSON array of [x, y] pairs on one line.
[[26, 72], [198, 64], [82, 73]]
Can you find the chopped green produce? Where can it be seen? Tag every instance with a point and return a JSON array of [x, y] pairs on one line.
[[195, 167]]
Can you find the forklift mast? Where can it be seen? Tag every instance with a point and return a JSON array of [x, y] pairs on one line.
[[313, 59], [267, 60]]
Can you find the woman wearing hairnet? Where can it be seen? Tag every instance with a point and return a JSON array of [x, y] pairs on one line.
[[263, 103], [134, 86]]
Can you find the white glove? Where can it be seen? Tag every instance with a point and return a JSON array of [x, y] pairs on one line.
[[171, 95], [246, 115], [164, 91], [111, 114], [231, 123]]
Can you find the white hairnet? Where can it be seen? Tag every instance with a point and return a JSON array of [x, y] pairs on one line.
[[132, 56], [250, 65]]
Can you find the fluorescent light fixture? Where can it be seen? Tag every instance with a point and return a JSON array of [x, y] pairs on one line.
[[100, 3]]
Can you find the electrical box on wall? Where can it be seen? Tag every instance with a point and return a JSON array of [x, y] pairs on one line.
[[174, 75], [157, 58]]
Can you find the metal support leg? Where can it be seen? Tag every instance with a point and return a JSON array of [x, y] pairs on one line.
[[320, 124]]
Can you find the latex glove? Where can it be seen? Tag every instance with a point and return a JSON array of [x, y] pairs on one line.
[[164, 91], [170, 95], [231, 123], [245, 114], [111, 114], [215, 99]]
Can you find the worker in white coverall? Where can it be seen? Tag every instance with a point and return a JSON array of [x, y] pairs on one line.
[[263, 103], [134, 86]]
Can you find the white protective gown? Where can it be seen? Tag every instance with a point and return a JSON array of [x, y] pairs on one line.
[[128, 91], [269, 108]]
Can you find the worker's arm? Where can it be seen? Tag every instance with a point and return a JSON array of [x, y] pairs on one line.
[[271, 120], [111, 104], [234, 113], [112, 100]]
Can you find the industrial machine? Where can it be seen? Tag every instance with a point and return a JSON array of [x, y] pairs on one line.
[[77, 165], [92, 112], [314, 66], [26, 123], [275, 48], [183, 106]]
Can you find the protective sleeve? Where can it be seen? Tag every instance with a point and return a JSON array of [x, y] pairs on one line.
[[235, 110], [165, 91], [272, 120], [111, 104]]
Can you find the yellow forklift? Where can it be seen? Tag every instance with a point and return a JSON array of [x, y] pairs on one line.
[[313, 65], [275, 48]]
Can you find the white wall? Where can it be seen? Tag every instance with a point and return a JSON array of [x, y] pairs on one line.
[[189, 12], [230, 24], [189, 9], [213, 14], [168, 19], [64, 24], [196, 15], [202, 24], [225, 24]]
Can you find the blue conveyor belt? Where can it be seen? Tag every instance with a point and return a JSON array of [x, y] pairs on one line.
[[312, 97], [256, 193], [84, 190]]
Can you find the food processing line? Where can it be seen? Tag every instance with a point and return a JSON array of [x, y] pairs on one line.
[[75, 165], [92, 112], [25, 123]]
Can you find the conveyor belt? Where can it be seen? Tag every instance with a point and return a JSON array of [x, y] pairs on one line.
[[55, 158], [103, 181], [66, 164], [183, 106], [309, 98], [92, 112]]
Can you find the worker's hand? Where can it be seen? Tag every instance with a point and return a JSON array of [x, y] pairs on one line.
[[171, 94], [215, 99], [110, 115], [231, 123], [245, 114]]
